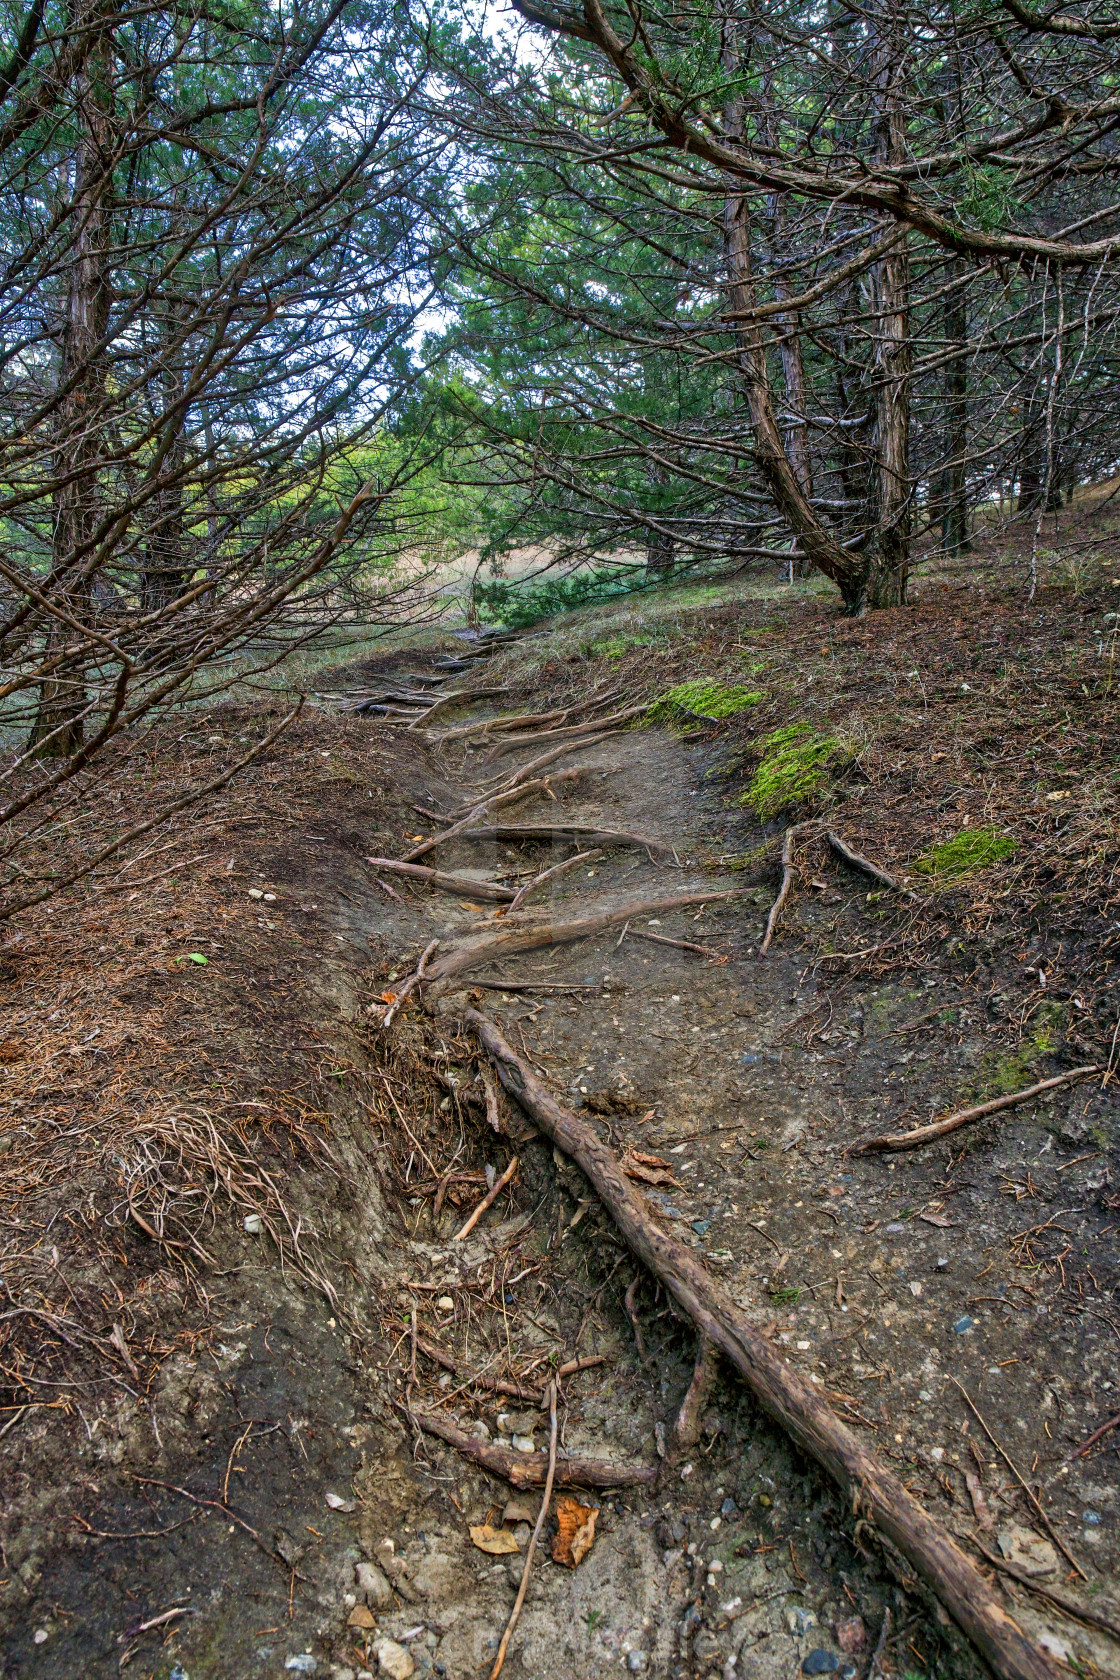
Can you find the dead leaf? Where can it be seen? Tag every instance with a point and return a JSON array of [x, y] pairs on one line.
[[388, 997], [499, 1542], [360, 1617], [575, 1532], [648, 1169], [937, 1219]]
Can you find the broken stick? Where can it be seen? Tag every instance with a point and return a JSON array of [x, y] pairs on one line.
[[789, 1398], [410, 984], [534, 1537], [964, 1117], [526, 1470], [488, 1200]]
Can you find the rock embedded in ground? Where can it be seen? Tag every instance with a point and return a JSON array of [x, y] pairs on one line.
[[394, 1661], [374, 1584]]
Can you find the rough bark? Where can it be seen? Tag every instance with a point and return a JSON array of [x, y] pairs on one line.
[[846, 569], [891, 362], [58, 729], [954, 503]]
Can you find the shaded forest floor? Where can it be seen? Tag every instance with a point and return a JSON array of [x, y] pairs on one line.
[[220, 1175]]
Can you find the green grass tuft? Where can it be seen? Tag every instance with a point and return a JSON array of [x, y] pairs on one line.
[[705, 699], [973, 848], [797, 762]]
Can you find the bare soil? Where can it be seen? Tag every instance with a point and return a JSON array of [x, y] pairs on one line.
[[221, 1206]]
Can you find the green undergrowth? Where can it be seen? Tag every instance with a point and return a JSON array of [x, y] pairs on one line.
[[704, 699], [798, 762], [973, 848]]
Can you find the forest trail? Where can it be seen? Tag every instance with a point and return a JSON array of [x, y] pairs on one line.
[[265, 1478], [670, 1030]]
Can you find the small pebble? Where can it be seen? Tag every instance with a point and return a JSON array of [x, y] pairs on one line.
[[729, 1509], [820, 1662], [253, 1223], [963, 1324], [445, 1304], [41, 1636], [302, 1663], [637, 1662]]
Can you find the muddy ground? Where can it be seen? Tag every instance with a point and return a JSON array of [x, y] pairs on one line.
[[209, 1465]]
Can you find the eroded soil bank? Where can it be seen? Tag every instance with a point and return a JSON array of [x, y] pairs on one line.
[[232, 1195]]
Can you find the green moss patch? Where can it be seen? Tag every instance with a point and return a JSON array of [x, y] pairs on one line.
[[973, 848], [712, 700], [797, 762], [616, 646]]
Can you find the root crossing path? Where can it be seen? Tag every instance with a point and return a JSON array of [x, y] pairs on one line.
[[600, 923]]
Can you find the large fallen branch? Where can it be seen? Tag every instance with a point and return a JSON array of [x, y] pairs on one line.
[[462, 885], [526, 1470], [964, 1117], [462, 957], [875, 1493]]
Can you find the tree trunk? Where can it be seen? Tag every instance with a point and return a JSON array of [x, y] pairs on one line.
[[954, 503], [58, 729], [890, 296], [165, 565], [847, 570]]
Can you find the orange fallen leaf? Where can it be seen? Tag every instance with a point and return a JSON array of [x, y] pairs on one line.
[[360, 1617], [388, 997], [575, 1533], [499, 1542]]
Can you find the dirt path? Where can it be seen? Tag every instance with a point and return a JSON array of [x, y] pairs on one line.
[[885, 1281]]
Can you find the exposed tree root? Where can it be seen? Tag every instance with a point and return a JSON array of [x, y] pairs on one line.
[[792, 1401], [479, 951], [551, 875], [543, 784], [506, 785], [788, 846], [463, 885], [578, 833], [855, 861], [964, 1116], [686, 1430], [571, 731]]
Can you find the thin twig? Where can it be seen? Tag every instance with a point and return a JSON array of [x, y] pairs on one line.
[[1092, 1618], [546, 1500], [1041, 1514]]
